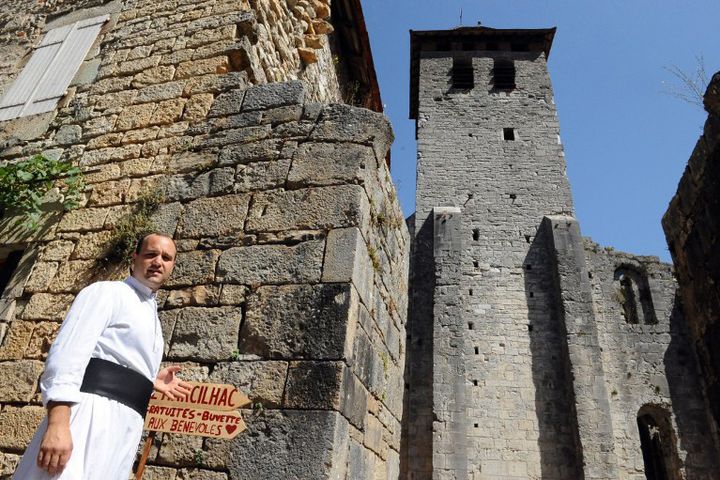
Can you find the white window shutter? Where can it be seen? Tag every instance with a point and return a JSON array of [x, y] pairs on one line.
[[50, 70]]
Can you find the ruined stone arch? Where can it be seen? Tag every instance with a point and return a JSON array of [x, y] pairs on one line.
[[633, 294], [658, 443]]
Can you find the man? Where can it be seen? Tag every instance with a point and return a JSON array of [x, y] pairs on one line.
[[99, 375]]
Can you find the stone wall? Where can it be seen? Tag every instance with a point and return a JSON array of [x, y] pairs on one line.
[[623, 370], [692, 229], [493, 289], [532, 352], [292, 261]]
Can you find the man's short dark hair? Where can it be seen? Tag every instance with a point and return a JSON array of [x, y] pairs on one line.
[[141, 240]]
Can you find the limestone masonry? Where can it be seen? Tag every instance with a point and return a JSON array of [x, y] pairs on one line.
[[482, 338]]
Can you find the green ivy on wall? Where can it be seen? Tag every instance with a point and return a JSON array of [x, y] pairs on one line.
[[24, 185]]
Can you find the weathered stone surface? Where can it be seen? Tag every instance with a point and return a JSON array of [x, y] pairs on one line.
[[343, 123], [308, 209], [8, 463], [271, 264], [214, 217], [347, 260], [252, 152], [314, 385], [233, 294], [227, 103], [136, 116], [262, 175], [151, 76], [298, 321], [41, 276], [16, 340], [168, 111], [198, 474], [41, 340], [159, 92], [202, 295], [68, 134], [206, 334], [262, 381], [153, 472], [73, 276], [57, 251], [330, 164], [296, 444], [83, 219], [17, 426], [179, 450], [274, 95], [46, 306], [18, 380], [198, 107]]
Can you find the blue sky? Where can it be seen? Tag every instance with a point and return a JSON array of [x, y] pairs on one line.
[[626, 141]]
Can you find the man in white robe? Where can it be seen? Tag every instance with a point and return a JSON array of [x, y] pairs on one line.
[[88, 436]]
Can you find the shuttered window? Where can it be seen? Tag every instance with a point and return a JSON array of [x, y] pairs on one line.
[[47, 75]]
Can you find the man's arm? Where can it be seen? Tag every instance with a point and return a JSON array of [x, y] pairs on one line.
[[56, 445]]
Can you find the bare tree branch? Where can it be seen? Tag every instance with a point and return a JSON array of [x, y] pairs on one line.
[[691, 86]]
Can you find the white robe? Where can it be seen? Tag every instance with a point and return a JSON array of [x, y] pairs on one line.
[[115, 321]]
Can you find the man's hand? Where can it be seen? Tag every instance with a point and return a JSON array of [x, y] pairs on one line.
[[56, 445], [170, 384]]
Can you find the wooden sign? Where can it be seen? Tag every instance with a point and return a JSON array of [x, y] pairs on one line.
[[209, 396], [194, 421]]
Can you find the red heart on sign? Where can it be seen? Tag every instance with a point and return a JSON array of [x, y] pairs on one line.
[[230, 429]]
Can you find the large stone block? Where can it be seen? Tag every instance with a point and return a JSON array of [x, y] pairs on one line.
[[347, 260], [199, 474], [344, 123], [271, 264], [263, 382], [228, 103], [299, 321], [331, 164], [214, 217], [16, 340], [179, 450], [41, 340], [194, 268], [18, 380], [46, 306], [309, 209], [17, 426], [314, 385], [280, 445], [206, 334], [273, 95], [262, 175], [263, 150]]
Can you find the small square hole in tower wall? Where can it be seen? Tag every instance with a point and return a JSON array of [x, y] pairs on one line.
[[509, 134]]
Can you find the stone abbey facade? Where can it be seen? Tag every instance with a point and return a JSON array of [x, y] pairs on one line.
[[484, 338]]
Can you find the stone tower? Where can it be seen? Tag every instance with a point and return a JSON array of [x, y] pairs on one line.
[[520, 355]]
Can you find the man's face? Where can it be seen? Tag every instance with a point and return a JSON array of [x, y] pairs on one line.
[[155, 262]]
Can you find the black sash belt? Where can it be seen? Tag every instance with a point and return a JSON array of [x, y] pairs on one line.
[[117, 383]]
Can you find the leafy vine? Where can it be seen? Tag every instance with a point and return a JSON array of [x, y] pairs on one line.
[[24, 186]]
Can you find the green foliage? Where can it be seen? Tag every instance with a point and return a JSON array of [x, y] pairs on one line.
[[24, 185], [375, 259], [130, 228], [198, 457]]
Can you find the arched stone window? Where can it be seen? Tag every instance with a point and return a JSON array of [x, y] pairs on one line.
[[657, 442], [633, 293]]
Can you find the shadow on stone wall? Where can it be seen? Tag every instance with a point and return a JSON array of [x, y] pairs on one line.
[[691, 417], [558, 442], [417, 422]]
